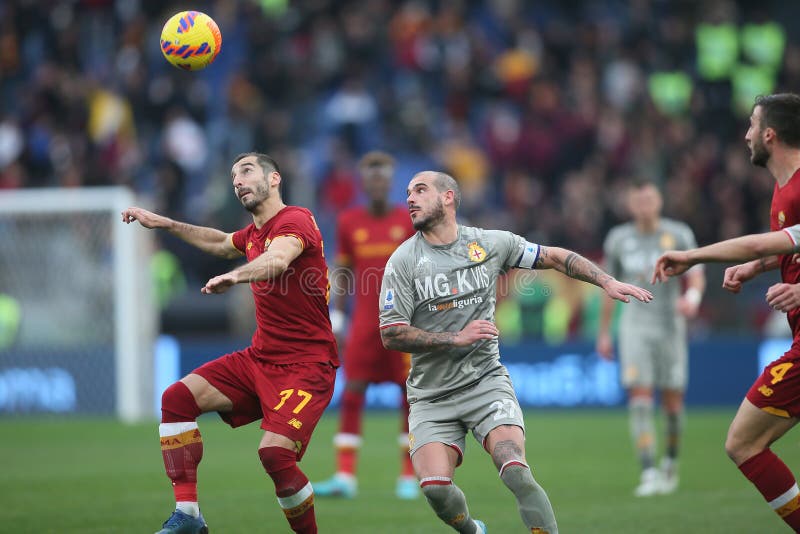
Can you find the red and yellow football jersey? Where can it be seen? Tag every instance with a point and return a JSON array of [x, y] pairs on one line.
[[292, 322], [785, 212], [365, 243]]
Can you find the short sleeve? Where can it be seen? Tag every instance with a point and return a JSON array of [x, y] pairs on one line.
[[514, 251], [396, 303], [344, 243], [239, 239], [299, 224], [794, 234]]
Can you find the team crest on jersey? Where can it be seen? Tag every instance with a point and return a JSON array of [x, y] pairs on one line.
[[667, 241], [360, 235], [476, 252], [267, 241], [781, 219], [397, 232], [249, 245]]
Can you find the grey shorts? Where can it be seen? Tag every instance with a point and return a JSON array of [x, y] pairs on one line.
[[480, 408], [653, 360]]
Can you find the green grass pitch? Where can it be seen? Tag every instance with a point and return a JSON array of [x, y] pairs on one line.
[[99, 476]]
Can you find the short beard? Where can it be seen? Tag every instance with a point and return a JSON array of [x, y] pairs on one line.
[[436, 216], [258, 196], [759, 156]]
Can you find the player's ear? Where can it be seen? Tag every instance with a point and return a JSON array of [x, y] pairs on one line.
[[274, 179]]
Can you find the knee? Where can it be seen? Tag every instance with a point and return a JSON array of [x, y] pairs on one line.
[[737, 449], [436, 491], [178, 404], [275, 459], [517, 476]]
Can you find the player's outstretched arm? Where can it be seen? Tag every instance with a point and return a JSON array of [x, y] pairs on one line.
[[576, 266], [272, 263], [407, 338], [750, 247], [208, 240]]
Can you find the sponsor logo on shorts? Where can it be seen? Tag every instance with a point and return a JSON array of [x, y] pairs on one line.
[[295, 423], [410, 440], [766, 391]]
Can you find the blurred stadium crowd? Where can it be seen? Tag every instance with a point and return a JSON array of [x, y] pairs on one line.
[[542, 110]]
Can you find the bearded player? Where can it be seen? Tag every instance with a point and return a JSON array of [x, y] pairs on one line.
[[772, 405], [367, 236], [285, 377]]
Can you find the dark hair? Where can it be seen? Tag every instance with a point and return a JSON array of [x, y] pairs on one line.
[[264, 161], [374, 159], [443, 182], [781, 112], [641, 183]]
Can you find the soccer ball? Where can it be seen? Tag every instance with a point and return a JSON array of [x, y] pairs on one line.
[[190, 40]]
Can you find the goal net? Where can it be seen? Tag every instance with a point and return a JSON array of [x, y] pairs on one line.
[[77, 323]]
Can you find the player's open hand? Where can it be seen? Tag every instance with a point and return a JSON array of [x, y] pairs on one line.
[[220, 284], [783, 297], [671, 263], [148, 219], [737, 275], [476, 330], [621, 291]]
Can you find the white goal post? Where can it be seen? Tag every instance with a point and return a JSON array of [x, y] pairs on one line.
[[80, 280]]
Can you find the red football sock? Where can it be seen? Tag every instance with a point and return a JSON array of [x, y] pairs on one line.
[[407, 468], [350, 423], [295, 495], [776, 483], [351, 409], [182, 450], [181, 442]]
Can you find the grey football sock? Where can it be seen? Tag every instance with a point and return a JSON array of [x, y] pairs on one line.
[[532, 501], [674, 430], [449, 503], [643, 430]]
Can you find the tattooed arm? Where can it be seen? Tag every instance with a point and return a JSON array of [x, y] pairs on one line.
[[572, 264], [407, 338], [576, 266]]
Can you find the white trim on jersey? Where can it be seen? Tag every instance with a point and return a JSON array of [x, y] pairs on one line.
[[393, 324], [529, 256], [794, 234]]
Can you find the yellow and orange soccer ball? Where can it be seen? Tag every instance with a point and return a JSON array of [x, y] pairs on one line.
[[190, 40]]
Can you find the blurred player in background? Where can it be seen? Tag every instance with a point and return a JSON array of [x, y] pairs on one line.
[[286, 377], [653, 345], [438, 303], [366, 237], [772, 405]]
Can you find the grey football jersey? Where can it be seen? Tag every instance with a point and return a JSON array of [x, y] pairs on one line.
[[631, 256], [441, 288]]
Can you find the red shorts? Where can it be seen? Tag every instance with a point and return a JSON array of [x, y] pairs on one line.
[[367, 359], [777, 390], [289, 398]]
